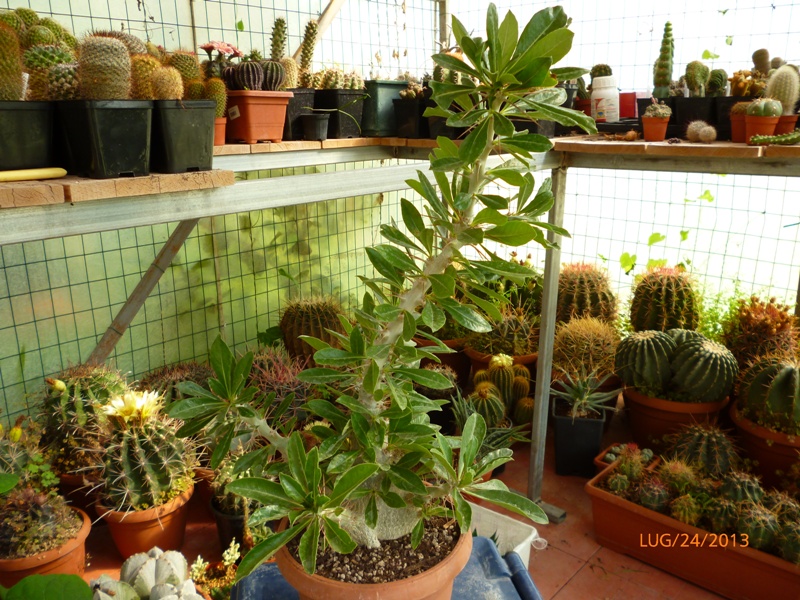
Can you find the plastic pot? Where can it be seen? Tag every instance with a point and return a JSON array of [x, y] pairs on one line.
[[26, 135], [229, 527], [577, 442], [654, 129], [379, 118], [737, 128], [183, 136], [786, 124], [694, 109], [345, 107], [723, 112], [315, 126], [106, 138], [410, 122], [219, 130], [256, 116], [302, 103], [754, 125], [643, 103]]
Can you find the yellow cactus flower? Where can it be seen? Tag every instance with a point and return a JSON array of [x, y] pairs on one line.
[[133, 405]]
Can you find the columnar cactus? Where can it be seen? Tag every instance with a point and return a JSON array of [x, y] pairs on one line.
[[702, 371], [142, 67], [664, 298], [784, 85], [585, 342], [697, 75], [488, 403], [760, 328], [249, 76], [307, 54], [643, 361], [10, 65], [583, 93], [104, 69], [216, 91], [274, 75], [167, 84], [278, 45], [584, 291], [313, 317], [769, 393], [662, 71], [705, 447]]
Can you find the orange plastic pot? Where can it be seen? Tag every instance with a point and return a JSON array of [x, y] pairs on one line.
[[138, 531], [775, 452], [69, 559], [434, 584], [786, 124], [654, 129], [219, 130], [256, 116], [718, 563], [738, 128], [653, 418], [754, 125]]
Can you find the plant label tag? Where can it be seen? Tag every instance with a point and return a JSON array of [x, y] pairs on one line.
[[233, 113]]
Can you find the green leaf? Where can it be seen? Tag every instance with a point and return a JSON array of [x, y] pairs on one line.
[[475, 143], [309, 545], [684, 235], [567, 73], [384, 267], [554, 45], [445, 165], [493, 37], [507, 37], [320, 375], [396, 236], [655, 263], [49, 587], [446, 93], [510, 176], [193, 408], [406, 480], [433, 316], [337, 537], [357, 345], [465, 316], [564, 116], [471, 441], [491, 309], [360, 426], [223, 445], [708, 55], [417, 533], [627, 262], [540, 24], [326, 410], [491, 216], [335, 357], [426, 377], [8, 482], [239, 25], [463, 511], [514, 233], [349, 481], [412, 218], [371, 513], [442, 286], [262, 490], [655, 238], [706, 196], [296, 455], [266, 549], [729, 40], [493, 201], [451, 62], [528, 142], [396, 257], [512, 501], [292, 488]]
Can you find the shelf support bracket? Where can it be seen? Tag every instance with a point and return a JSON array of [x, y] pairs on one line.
[[137, 298]]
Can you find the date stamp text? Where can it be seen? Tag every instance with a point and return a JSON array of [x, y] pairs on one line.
[[693, 540]]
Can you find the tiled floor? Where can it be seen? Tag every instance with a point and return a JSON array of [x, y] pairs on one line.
[[572, 567]]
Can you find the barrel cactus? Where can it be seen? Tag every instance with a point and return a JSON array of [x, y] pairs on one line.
[[664, 298], [501, 374], [142, 67], [585, 342], [759, 328], [63, 82], [313, 317], [702, 371], [584, 290], [765, 107], [706, 447], [654, 494], [739, 486], [274, 75], [643, 361], [721, 514], [686, 509], [523, 411], [10, 65], [166, 380], [249, 75], [677, 475], [104, 69], [758, 524], [600, 70], [487, 402], [769, 394], [515, 334]]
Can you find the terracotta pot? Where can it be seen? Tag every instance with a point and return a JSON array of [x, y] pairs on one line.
[[786, 124], [712, 561], [256, 116], [457, 361], [480, 360], [219, 130], [434, 584], [600, 463], [69, 559], [773, 450], [584, 105], [654, 129], [75, 491], [138, 531], [653, 418], [754, 125], [203, 492], [738, 128]]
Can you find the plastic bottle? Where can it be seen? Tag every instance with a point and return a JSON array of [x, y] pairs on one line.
[[605, 100]]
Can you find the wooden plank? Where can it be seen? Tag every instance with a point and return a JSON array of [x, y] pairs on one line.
[[229, 149], [6, 195], [422, 143], [136, 186], [78, 189], [292, 146], [30, 193], [781, 151], [393, 141], [351, 142], [598, 145], [715, 150]]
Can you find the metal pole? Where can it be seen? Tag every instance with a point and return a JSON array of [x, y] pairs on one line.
[[545, 361], [137, 298], [444, 31]]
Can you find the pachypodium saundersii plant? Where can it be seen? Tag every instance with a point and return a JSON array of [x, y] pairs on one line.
[[383, 469]]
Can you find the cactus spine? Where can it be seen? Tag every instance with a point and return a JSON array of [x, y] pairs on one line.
[[653, 494], [307, 54], [664, 299], [488, 403], [759, 524], [662, 71], [249, 76], [292, 72], [784, 85], [278, 45], [142, 68], [585, 342], [313, 317], [28, 16], [195, 90], [738, 486], [167, 84], [12, 20], [274, 75], [769, 393], [702, 371], [10, 65], [63, 82], [104, 69], [643, 361], [187, 65], [705, 447], [686, 509], [37, 61], [697, 75], [38, 36], [132, 43], [584, 291], [721, 514]]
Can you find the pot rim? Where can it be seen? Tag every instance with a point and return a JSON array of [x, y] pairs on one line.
[[149, 514], [636, 396], [748, 426], [42, 558]]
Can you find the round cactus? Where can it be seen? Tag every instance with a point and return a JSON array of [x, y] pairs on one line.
[[516, 334], [104, 69], [313, 317], [654, 494], [10, 65], [38, 35], [631, 463], [187, 65], [600, 70], [521, 370], [789, 542], [195, 90], [12, 20], [765, 107], [144, 572], [702, 371], [721, 514], [488, 403], [523, 411], [769, 393], [274, 75], [249, 76], [28, 16], [292, 72], [686, 510], [785, 508], [132, 43], [678, 475], [758, 524], [501, 374], [520, 388], [643, 361], [619, 484], [584, 290], [167, 84], [759, 328], [738, 486], [165, 380], [585, 342], [216, 91], [37, 61], [685, 335], [63, 82], [706, 447], [53, 26], [142, 68], [664, 298]]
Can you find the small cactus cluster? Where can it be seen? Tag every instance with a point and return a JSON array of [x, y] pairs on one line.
[[510, 383], [769, 393], [615, 451], [700, 131], [678, 364], [306, 76], [38, 60], [759, 328], [662, 70], [585, 342], [585, 291], [782, 139], [442, 74], [413, 91], [166, 380], [664, 298], [747, 83], [515, 334], [658, 110], [313, 317]]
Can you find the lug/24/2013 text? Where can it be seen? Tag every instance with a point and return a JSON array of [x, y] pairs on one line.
[[693, 540]]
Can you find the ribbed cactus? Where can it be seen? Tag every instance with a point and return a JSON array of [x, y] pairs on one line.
[[600, 70], [216, 91], [769, 393], [488, 403], [132, 43], [307, 54], [662, 70], [37, 36], [585, 342], [454, 77], [759, 328], [738, 486], [249, 76], [784, 85], [167, 84], [229, 77], [758, 524], [782, 505], [619, 484], [654, 494], [697, 75], [721, 514], [765, 107], [187, 65], [677, 475], [63, 82], [501, 374], [702, 371], [664, 298], [523, 411], [789, 542], [274, 75], [37, 61], [278, 45], [142, 68], [705, 447], [10, 65], [104, 69], [717, 83], [686, 509], [145, 465], [643, 361], [312, 317], [584, 291]]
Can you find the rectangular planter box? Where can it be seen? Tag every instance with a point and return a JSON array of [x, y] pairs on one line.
[[734, 572], [26, 135], [379, 119], [255, 116], [183, 136], [346, 109]]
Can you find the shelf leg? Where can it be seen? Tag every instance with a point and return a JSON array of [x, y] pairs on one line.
[[137, 298], [544, 363]]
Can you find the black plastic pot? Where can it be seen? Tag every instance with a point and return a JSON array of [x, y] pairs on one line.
[[26, 135], [723, 105], [315, 126], [410, 122], [182, 139], [302, 103], [346, 108], [379, 117], [694, 109], [577, 442], [229, 527], [106, 138]]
